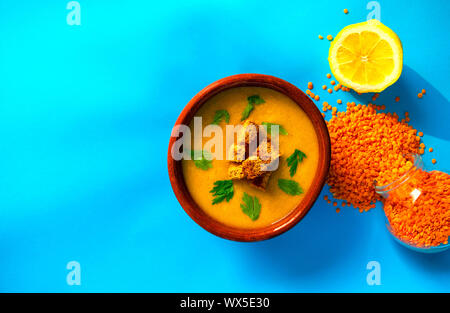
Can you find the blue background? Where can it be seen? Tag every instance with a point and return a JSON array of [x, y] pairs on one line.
[[85, 119]]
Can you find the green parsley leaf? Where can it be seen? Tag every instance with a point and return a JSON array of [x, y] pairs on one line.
[[247, 111], [252, 100], [223, 190], [221, 114], [255, 99], [202, 159], [293, 160], [290, 187], [280, 128], [251, 206]]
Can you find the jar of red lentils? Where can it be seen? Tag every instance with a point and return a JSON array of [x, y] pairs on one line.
[[417, 207]]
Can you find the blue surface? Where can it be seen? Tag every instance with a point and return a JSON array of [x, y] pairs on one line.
[[85, 118]]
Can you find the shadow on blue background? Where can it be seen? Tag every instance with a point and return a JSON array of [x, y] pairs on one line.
[[435, 263], [423, 110]]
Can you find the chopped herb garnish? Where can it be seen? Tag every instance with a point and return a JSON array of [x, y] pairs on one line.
[[280, 128], [292, 161], [290, 187], [202, 159], [223, 190], [252, 100], [251, 206], [220, 115], [247, 111], [255, 99]]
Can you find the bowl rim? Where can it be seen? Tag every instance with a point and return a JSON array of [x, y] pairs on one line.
[[298, 213]]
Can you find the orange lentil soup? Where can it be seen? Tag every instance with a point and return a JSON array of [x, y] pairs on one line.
[[275, 204]]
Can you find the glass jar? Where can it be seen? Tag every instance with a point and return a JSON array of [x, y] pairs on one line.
[[405, 201]]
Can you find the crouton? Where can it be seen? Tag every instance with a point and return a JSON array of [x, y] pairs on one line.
[[236, 171], [266, 152], [261, 181], [253, 167], [236, 153], [250, 133]]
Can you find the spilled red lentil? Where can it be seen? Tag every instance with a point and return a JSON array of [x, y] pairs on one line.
[[365, 145], [424, 222]]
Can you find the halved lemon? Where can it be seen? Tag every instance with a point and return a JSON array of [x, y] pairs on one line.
[[367, 57]]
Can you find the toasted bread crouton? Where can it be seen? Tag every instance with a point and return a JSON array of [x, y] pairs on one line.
[[236, 171], [261, 181], [250, 133], [266, 152], [236, 153], [253, 167]]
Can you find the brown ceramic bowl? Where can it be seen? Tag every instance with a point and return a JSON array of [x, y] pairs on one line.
[[176, 173]]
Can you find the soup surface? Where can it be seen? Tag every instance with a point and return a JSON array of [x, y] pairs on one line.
[[275, 203]]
